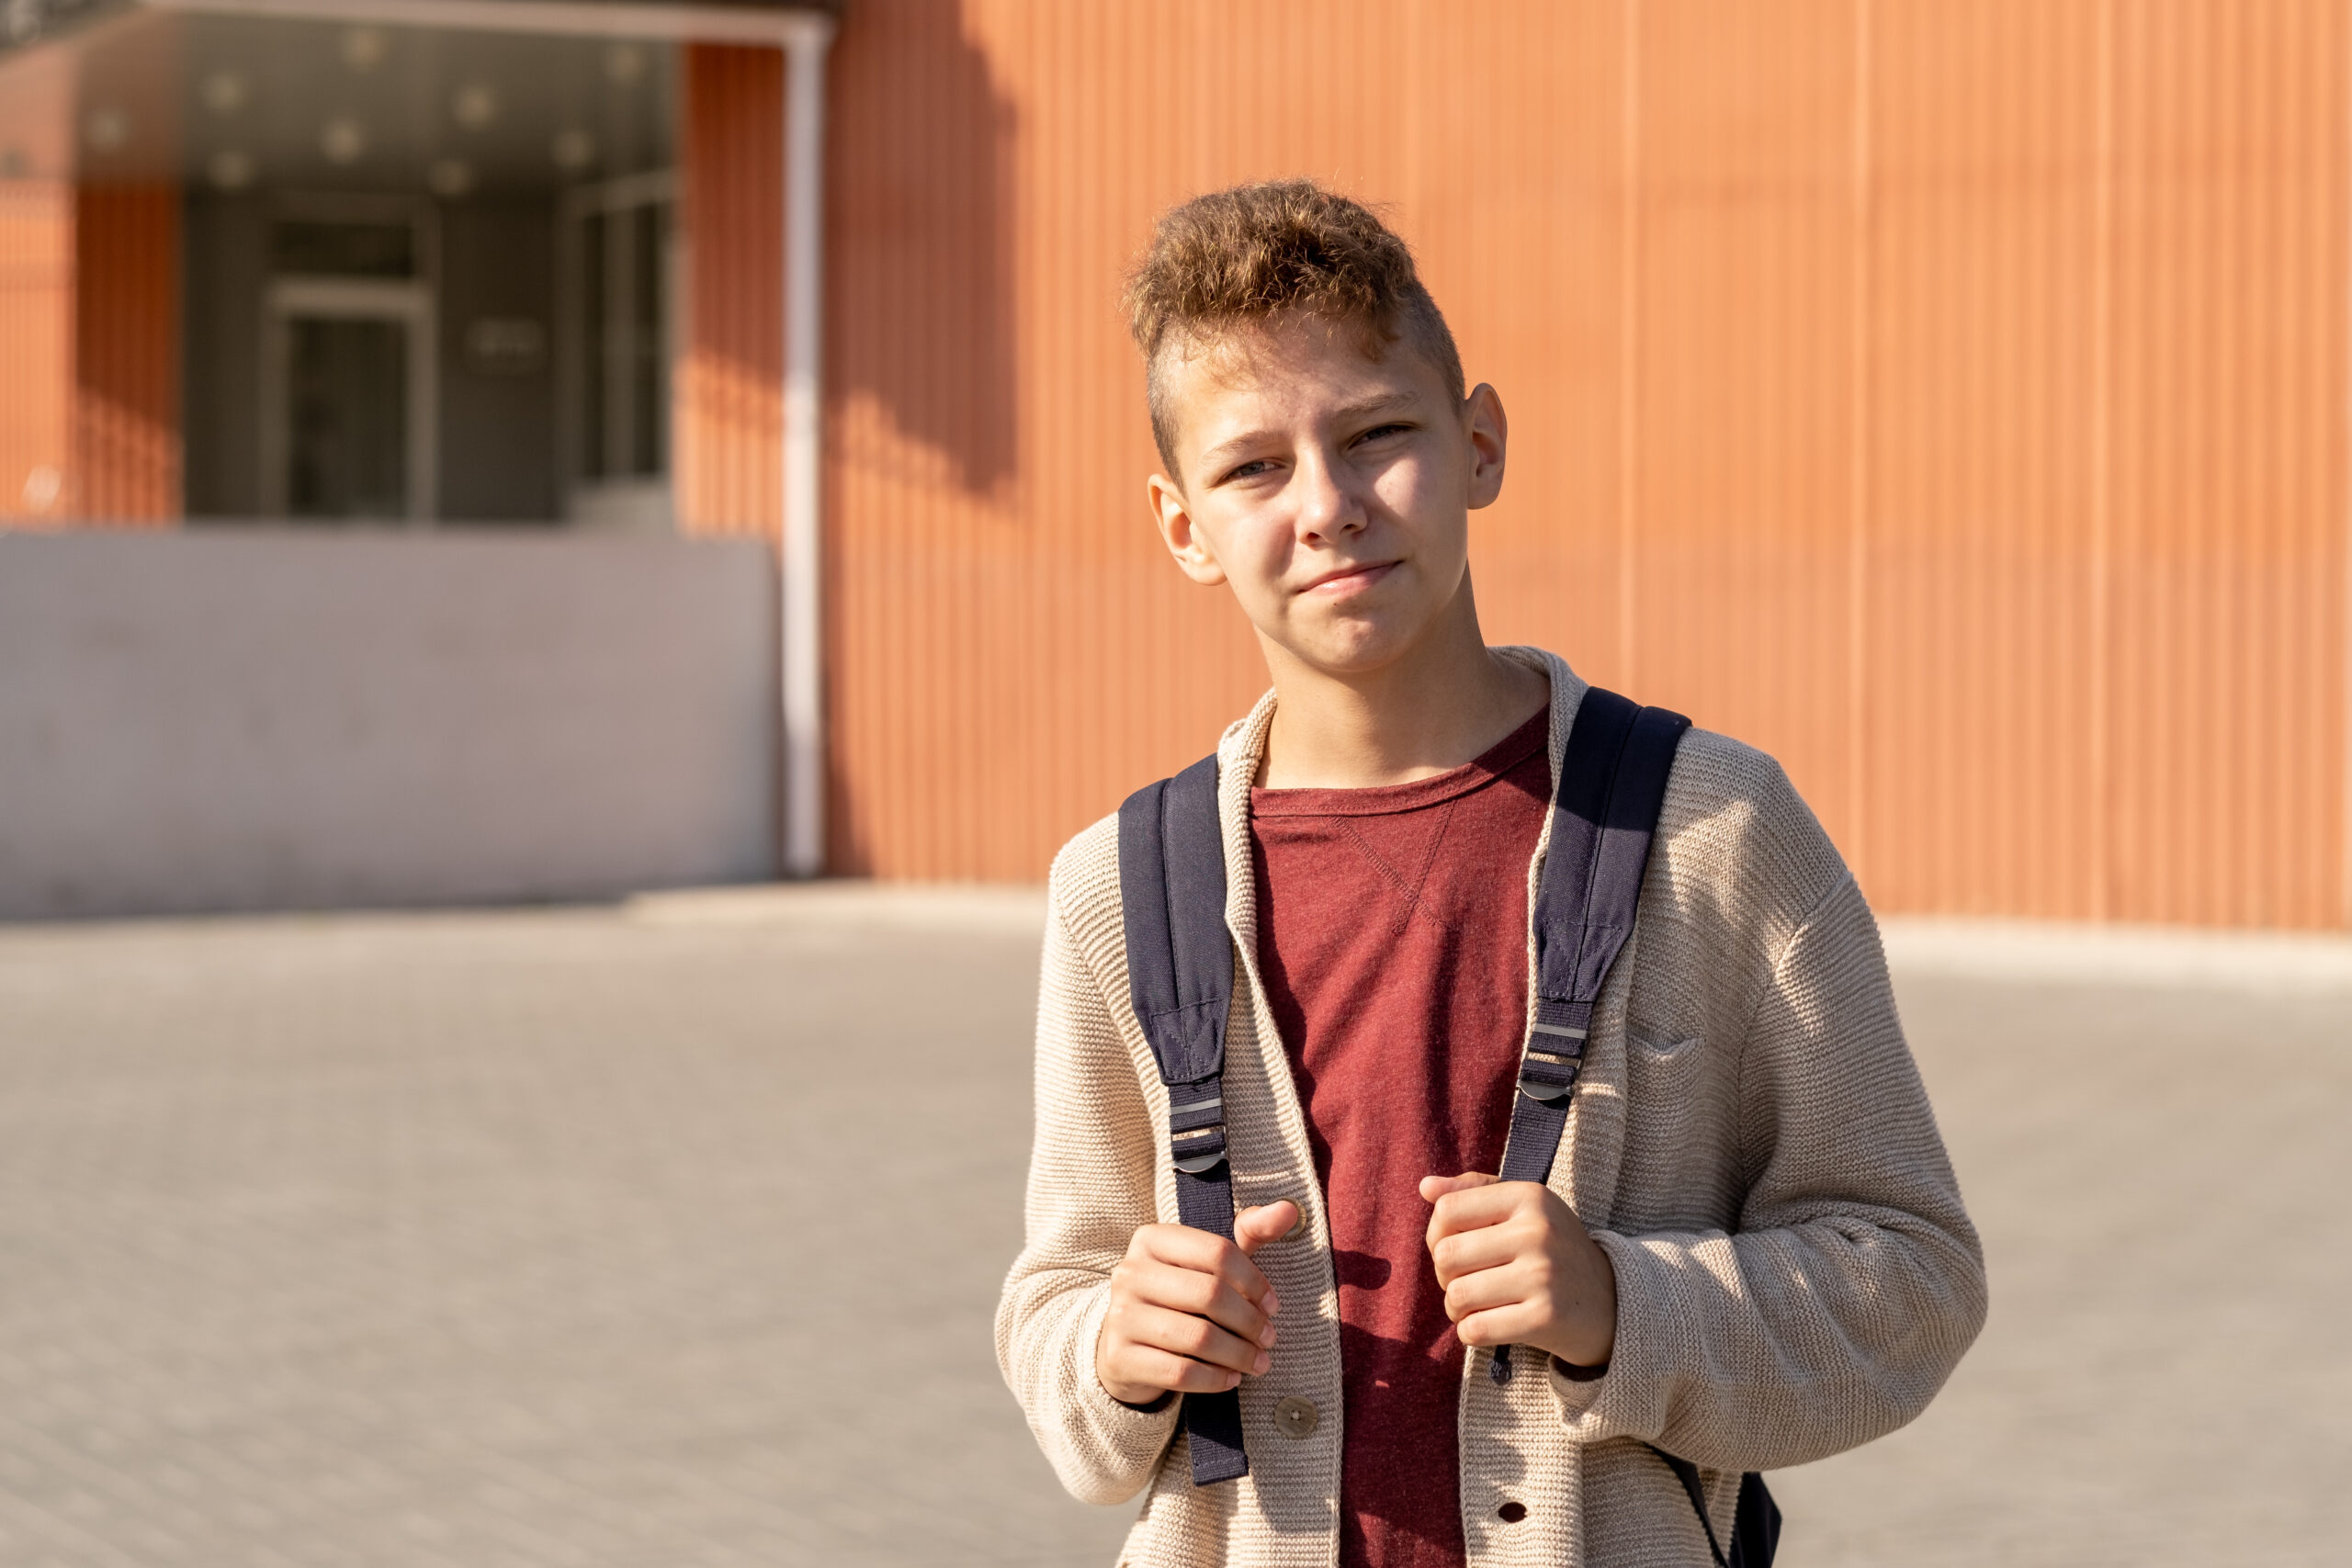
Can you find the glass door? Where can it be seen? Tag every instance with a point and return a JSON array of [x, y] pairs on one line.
[[621, 331], [346, 417], [347, 400]]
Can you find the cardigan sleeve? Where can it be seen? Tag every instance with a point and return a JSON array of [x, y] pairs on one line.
[[1853, 1282], [1090, 1188]]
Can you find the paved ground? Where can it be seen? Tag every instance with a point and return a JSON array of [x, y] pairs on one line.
[[569, 1238]]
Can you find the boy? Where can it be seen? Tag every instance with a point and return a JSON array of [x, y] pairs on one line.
[[1750, 1251]]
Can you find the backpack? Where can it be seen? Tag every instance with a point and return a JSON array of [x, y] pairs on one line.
[[1180, 976]]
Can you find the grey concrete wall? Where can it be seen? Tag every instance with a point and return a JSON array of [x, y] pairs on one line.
[[275, 721]]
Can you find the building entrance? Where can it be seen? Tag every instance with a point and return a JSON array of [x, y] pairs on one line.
[[348, 395], [346, 435]]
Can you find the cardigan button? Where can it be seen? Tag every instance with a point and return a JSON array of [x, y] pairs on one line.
[[1297, 1417], [1298, 1225]]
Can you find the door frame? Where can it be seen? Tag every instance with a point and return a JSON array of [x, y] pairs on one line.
[[408, 301], [629, 501]]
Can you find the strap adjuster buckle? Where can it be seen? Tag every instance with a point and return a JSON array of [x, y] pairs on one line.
[[1198, 1148]]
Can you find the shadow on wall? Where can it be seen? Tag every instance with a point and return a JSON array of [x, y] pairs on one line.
[[921, 350]]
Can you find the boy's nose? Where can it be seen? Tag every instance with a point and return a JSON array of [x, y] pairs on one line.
[[1326, 508]]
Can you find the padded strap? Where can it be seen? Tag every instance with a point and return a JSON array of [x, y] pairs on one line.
[[1756, 1518], [1179, 976], [1688, 1473], [1755, 1527], [1172, 893], [1211, 1421], [1613, 783]]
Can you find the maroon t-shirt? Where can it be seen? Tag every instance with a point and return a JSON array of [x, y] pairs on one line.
[[1392, 937]]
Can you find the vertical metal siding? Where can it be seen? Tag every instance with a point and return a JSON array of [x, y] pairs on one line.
[[1982, 439], [1950, 399], [126, 467], [1743, 397], [36, 347], [2226, 553], [728, 429], [89, 332]]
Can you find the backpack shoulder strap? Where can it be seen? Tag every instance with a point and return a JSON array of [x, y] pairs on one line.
[[1179, 976], [1613, 783], [1756, 1518]]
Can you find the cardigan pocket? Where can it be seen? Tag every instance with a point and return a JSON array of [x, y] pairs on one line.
[[1664, 1090], [1651, 1063], [1647, 1046]]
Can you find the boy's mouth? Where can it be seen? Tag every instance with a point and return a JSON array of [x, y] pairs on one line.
[[1348, 580]]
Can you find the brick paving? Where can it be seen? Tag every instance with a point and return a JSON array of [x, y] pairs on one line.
[[566, 1237]]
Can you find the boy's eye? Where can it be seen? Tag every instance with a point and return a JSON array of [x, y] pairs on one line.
[[1249, 470], [1378, 431]]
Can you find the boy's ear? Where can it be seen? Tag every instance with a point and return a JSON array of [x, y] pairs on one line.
[[1489, 435], [1173, 516]]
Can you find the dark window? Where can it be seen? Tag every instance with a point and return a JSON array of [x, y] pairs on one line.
[[311, 248]]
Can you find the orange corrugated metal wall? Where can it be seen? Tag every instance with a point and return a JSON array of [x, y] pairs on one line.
[[1950, 399], [729, 475], [37, 347], [89, 329], [126, 355]]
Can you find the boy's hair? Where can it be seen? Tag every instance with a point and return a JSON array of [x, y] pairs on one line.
[[1256, 253]]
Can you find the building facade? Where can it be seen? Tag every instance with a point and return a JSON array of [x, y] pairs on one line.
[[1951, 400]]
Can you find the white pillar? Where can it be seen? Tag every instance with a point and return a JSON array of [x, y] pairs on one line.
[[799, 556]]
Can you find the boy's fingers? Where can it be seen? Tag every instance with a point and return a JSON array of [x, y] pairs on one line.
[[1498, 1325], [1253, 1228], [1459, 1213], [1155, 1368], [1468, 1252], [1201, 1295], [1186, 1247], [1471, 1208], [1436, 1187], [1206, 1254], [1182, 1334], [1484, 1291]]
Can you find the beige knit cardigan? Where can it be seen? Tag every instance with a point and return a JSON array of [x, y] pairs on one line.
[[1751, 1144]]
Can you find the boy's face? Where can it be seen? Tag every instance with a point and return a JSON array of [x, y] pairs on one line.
[[1331, 489]]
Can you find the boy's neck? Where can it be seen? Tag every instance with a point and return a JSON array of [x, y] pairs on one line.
[[1446, 702]]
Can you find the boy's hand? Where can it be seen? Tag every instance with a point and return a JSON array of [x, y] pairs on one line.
[[1519, 1269], [1189, 1312]]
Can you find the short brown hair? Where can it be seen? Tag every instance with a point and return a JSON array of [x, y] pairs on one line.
[[1280, 248]]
